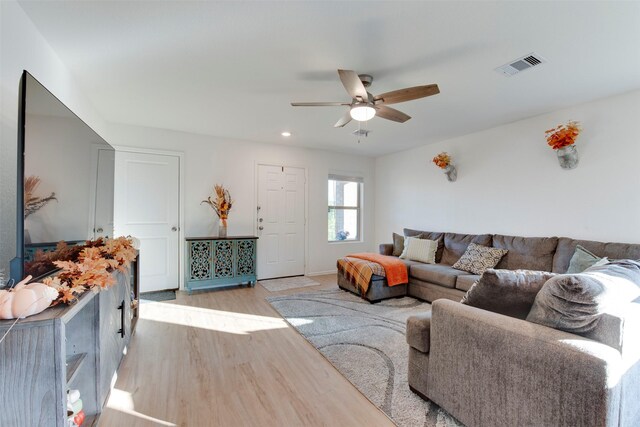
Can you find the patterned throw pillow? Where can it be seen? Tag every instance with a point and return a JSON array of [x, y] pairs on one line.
[[423, 250], [477, 258]]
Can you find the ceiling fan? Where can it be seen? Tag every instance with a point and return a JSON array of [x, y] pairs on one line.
[[364, 106]]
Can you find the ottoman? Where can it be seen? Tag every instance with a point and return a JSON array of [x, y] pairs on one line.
[[378, 290]]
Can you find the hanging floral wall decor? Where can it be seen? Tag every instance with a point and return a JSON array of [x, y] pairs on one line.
[[443, 161], [562, 138]]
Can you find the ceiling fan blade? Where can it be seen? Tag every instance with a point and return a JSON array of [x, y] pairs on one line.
[[407, 94], [391, 114], [319, 104], [353, 84], [346, 118]]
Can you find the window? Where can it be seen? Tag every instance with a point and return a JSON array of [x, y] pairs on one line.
[[344, 208]]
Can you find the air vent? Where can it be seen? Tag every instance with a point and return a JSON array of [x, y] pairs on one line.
[[521, 64]]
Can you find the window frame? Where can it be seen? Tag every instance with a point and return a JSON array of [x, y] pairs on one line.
[[358, 208]]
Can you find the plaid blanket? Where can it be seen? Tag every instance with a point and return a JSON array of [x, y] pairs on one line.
[[359, 272], [394, 270]]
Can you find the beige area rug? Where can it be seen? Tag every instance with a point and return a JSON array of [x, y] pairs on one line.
[[286, 283], [366, 343]]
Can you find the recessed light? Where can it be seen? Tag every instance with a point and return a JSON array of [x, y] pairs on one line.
[[286, 134]]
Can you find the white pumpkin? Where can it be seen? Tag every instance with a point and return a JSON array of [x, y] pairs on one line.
[[25, 300]]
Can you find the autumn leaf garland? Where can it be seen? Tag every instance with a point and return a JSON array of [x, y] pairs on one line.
[[93, 269]]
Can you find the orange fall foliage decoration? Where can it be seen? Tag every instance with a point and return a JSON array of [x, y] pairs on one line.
[[442, 160], [563, 135], [93, 268]]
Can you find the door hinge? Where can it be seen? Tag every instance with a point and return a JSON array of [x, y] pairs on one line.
[[282, 168]]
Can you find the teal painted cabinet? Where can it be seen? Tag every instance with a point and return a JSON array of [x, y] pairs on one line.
[[214, 262]]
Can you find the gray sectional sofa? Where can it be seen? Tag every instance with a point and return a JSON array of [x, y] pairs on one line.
[[430, 282], [488, 369]]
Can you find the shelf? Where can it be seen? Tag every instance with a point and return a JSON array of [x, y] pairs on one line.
[[74, 362]]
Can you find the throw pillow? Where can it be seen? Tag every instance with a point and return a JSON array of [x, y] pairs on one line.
[[588, 303], [477, 258], [398, 244], [423, 250], [583, 259], [508, 292]]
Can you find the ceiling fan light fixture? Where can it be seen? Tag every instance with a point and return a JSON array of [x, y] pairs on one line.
[[362, 112]]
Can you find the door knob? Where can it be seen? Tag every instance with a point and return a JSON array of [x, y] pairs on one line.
[[261, 228], [174, 228], [99, 230], [260, 219]]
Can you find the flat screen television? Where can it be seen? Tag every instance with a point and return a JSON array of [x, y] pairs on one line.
[[65, 181]]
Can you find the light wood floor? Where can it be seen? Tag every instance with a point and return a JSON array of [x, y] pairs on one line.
[[227, 358]]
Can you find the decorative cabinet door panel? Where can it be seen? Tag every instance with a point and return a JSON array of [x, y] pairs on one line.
[[246, 258], [223, 259], [200, 260]]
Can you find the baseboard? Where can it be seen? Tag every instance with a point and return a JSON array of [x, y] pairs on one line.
[[321, 273]]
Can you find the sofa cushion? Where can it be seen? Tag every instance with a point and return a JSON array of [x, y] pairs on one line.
[[594, 303], [508, 292], [423, 250], [464, 283], [477, 258], [566, 248], [526, 253], [409, 263], [440, 274], [456, 244], [418, 331], [583, 259], [431, 235]]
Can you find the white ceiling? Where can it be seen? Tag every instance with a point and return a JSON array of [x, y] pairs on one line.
[[230, 69]]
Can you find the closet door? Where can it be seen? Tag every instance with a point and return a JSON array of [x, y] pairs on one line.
[[147, 207]]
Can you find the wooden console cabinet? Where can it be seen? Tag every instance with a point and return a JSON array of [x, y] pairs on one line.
[[66, 347], [214, 262]]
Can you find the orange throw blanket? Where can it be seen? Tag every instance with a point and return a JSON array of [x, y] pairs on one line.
[[395, 270]]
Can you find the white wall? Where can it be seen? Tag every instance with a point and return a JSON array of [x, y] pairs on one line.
[[23, 47], [232, 163], [509, 180]]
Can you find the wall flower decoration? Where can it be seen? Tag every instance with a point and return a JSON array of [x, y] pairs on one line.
[[443, 161], [563, 135], [562, 138]]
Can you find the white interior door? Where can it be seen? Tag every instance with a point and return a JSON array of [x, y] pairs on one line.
[[146, 206], [281, 221], [103, 212]]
